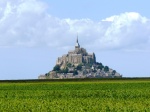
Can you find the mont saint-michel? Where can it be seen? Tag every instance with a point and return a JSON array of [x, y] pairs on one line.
[[78, 63]]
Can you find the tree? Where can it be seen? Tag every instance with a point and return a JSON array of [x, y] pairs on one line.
[[79, 67], [88, 65], [106, 68], [75, 72], [99, 63], [69, 64], [47, 74], [56, 68], [100, 67], [113, 72], [65, 70]]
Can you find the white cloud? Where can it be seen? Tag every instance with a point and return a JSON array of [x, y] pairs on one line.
[[127, 30], [28, 23]]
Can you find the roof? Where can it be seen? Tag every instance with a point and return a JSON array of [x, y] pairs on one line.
[[90, 53], [75, 54]]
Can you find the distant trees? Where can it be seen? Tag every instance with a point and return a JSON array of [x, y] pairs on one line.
[[100, 66], [113, 72], [106, 68], [79, 67], [69, 64], [75, 72], [88, 64], [65, 70], [56, 68], [47, 74]]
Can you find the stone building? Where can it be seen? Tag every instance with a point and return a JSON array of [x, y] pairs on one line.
[[77, 56]]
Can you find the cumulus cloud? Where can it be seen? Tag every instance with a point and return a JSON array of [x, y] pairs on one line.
[[127, 30], [28, 23]]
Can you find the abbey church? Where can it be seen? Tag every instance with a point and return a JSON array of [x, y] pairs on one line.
[[77, 56]]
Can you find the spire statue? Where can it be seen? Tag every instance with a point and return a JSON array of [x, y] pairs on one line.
[[77, 38], [77, 43]]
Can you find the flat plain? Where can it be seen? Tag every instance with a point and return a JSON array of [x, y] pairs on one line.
[[85, 95]]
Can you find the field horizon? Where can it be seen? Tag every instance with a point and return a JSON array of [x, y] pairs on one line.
[[74, 79]]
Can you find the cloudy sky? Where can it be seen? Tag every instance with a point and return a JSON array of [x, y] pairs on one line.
[[33, 33]]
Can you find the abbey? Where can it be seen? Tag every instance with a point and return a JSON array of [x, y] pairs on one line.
[[78, 63], [77, 56]]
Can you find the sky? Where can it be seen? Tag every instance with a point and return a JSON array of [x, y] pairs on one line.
[[33, 33]]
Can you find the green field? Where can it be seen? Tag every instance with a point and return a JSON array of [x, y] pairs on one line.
[[91, 95]]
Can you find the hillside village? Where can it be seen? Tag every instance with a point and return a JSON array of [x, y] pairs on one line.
[[78, 63]]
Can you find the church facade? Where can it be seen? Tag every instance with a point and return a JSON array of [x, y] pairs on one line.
[[77, 56]]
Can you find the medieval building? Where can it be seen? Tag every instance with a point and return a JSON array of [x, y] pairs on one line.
[[83, 65], [77, 56]]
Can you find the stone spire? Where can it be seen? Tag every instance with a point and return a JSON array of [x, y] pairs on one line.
[[77, 43]]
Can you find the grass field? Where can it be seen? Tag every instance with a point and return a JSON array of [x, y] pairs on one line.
[[88, 95]]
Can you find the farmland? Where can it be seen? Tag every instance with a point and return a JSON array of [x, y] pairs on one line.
[[75, 95]]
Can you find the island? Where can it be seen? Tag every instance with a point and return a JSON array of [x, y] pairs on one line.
[[78, 63]]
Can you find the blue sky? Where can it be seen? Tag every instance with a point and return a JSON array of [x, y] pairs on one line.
[[33, 33], [96, 9]]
